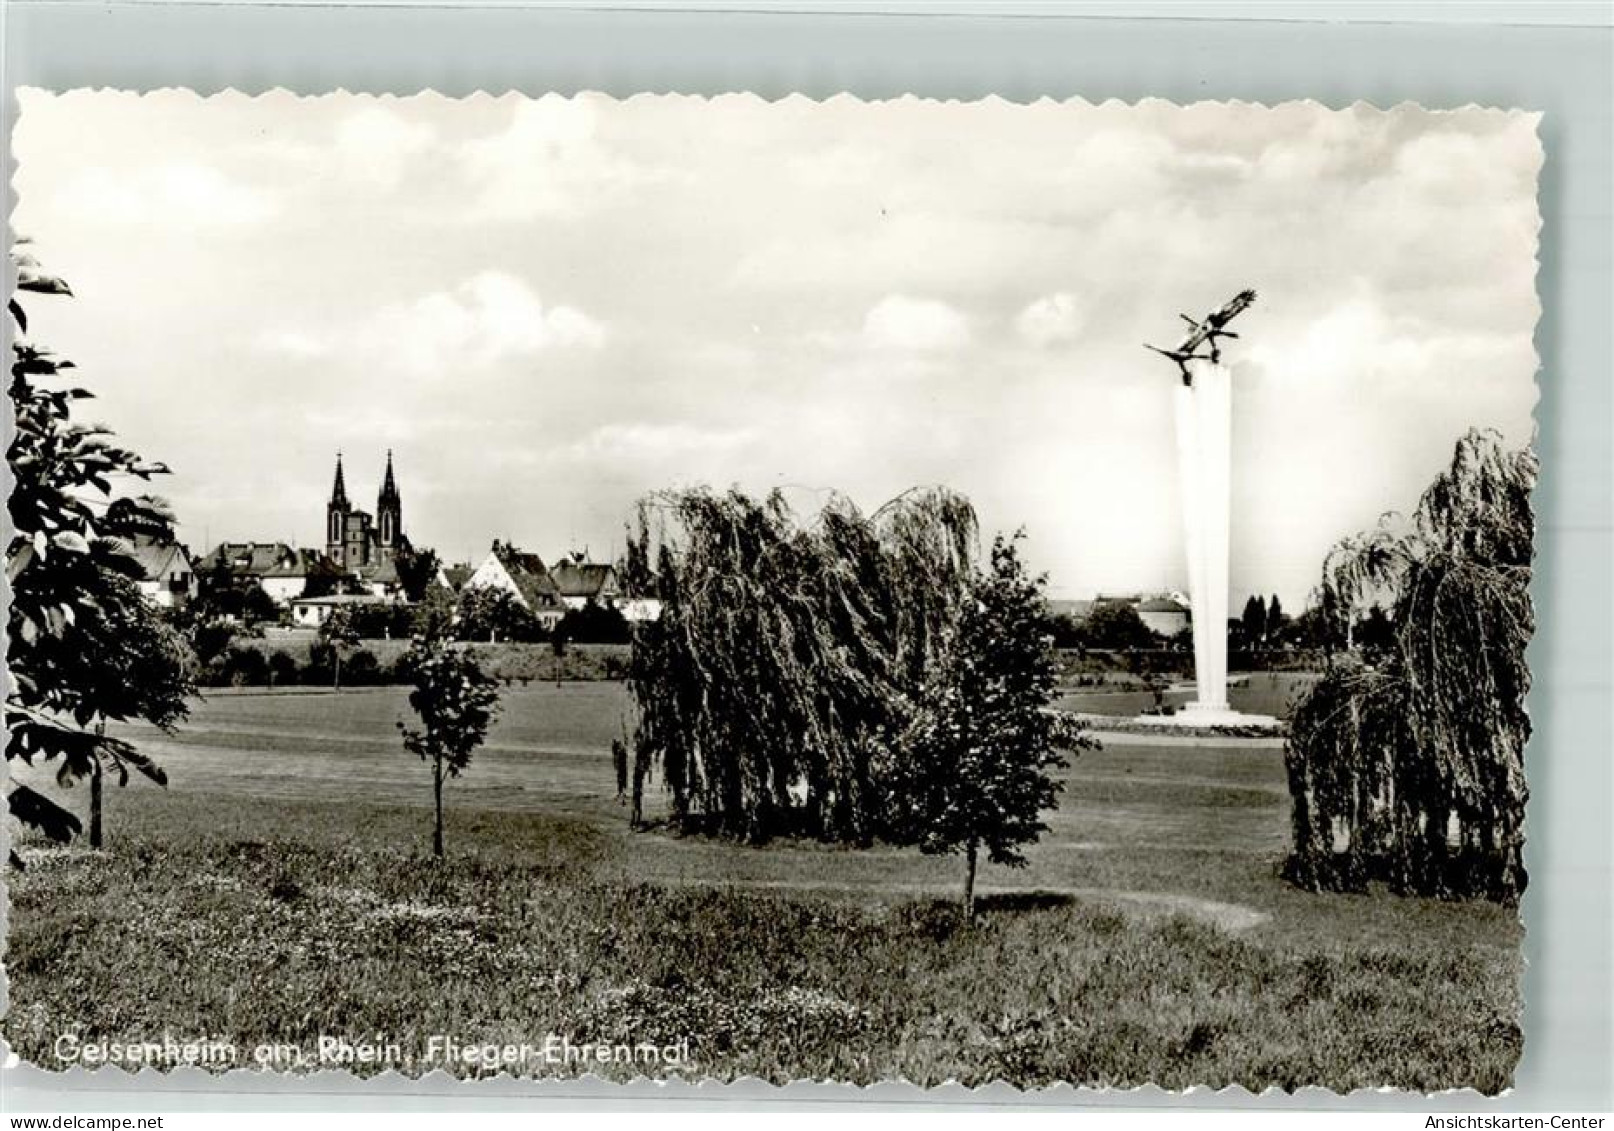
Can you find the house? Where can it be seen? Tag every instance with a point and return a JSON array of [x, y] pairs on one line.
[[312, 612], [637, 609], [1164, 613], [168, 575], [1167, 614], [524, 577], [1077, 611], [580, 582], [279, 570], [380, 578], [454, 577]]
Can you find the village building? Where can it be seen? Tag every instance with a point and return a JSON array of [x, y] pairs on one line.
[[1077, 611], [312, 612], [552, 591], [280, 570], [1166, 614], [454, 577], [580, 582], [168, 575], [522, 575], [636, 609]]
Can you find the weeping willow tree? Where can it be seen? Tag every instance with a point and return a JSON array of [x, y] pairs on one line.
[[1406, 760], [789, 656]]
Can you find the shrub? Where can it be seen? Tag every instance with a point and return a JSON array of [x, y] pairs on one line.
[[594, 624], [390, 621], [245, 667], [283, 669], [362, 668], [321, 666]]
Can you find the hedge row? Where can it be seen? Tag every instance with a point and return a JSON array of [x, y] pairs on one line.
[[256, 663]]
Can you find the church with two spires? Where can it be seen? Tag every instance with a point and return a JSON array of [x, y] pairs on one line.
[[361, 543]]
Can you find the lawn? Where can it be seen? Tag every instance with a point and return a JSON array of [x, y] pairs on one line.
[[278, 891], [1255, 693]]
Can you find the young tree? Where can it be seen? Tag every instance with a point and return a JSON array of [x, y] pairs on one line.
[[69, 566], [986, 740], [456, 701], [341, 635], [127, 662]]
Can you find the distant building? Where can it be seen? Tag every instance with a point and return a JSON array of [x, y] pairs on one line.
[[312, 612], [579, 582], [380, 579], [1076, 610], [636, 609], [168, 575], [1167, 615], [1164, 613], [353, 539], [454, 577], [524, 577], [278, 569]]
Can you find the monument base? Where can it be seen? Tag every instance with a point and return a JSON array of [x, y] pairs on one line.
[[1211, 716]]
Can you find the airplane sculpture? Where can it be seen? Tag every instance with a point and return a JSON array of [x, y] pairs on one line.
[[1205, 333]]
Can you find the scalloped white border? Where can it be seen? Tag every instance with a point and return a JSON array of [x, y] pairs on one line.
[[440, 1083]]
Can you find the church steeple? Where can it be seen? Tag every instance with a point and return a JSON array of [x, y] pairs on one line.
[[389, 488], [336, 512], [389, 511], [339, 489]]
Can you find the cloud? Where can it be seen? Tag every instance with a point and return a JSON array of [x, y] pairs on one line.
[[641, 455], [374, 144], [1360, 345], [489, 318], [1051, 319], [186, 195], [547, 160], [293, 344], [900, 322]]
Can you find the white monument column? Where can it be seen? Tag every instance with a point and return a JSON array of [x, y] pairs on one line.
[[1204, 460]]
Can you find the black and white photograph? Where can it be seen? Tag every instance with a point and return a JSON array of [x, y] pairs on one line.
[[710, 588]]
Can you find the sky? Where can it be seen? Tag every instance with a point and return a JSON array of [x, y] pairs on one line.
[[547, 308]]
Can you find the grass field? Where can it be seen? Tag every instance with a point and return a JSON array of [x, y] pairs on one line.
[[1255, 693], [278, 890]]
